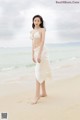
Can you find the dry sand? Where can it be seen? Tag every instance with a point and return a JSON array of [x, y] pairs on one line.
[[62, 102]]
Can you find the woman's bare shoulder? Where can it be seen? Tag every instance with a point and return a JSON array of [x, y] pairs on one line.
[[43, 29]]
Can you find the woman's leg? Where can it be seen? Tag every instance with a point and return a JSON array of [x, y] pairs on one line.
[[37, 96], [43, 89]]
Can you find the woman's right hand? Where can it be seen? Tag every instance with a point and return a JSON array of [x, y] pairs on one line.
[[33, 59]]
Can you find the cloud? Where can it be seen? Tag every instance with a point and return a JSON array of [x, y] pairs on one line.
[[60, 19]]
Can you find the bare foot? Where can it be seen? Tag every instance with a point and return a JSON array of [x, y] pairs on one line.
[[35, 100], [43, 95]]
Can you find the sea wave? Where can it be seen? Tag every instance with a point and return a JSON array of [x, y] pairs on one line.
[[15, 67]]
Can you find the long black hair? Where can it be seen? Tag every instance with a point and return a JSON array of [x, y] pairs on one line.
[[41, 19]]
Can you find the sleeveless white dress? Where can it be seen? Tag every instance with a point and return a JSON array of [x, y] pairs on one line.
[[43, 69]]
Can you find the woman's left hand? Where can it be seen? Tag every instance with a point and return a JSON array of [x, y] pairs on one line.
[[39, 58]]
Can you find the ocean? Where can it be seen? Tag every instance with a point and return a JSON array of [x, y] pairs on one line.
[[13, 58], [16, 64]]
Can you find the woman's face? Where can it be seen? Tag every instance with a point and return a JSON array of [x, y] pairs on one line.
[[37, 22]]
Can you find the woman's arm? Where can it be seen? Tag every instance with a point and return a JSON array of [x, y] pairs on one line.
[[42, 41], [33, 52], [32, 43], [32, 49]]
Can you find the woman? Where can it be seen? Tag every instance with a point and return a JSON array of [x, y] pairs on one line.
[[39, 56]]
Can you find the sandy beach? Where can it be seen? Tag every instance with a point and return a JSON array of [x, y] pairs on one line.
[[62, 102], [52, 29]]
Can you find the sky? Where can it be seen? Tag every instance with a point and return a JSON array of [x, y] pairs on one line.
[[62, 21]]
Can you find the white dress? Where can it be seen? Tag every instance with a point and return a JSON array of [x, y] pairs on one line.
[[43, 69]]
